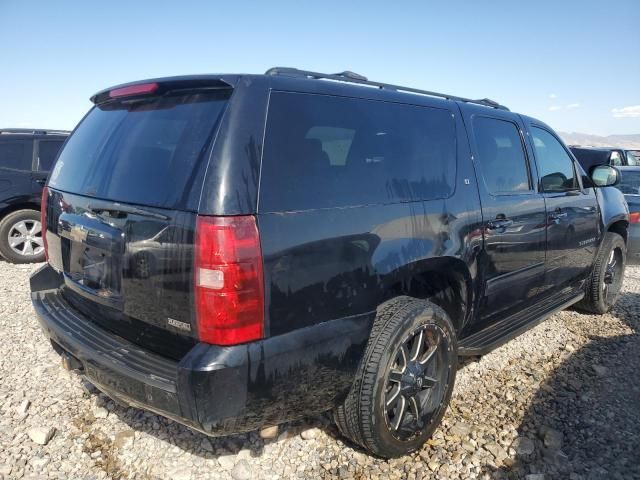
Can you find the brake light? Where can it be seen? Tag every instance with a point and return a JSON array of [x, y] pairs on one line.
[[634, 217], [43, 221], [229, 285], [142, 89]]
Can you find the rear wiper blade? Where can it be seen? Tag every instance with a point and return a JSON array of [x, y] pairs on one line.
[[119, 208]]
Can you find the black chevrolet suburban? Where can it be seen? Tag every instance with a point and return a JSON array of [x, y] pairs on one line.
[[26, 156], [234, 251]]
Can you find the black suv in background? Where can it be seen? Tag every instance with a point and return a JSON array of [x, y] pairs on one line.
[[26, 157], [590, 157], [233, 251], [629, 185]]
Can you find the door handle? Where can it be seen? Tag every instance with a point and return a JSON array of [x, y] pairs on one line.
[[499, 224], [41, 181], [557, 214]]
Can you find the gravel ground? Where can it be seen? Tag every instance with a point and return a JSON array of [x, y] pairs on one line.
[[560, 401]]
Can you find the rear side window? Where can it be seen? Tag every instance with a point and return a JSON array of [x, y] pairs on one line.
[[15, 155], [501, 156], [47, 152], [323, 151], [557, 173], [148, 152]]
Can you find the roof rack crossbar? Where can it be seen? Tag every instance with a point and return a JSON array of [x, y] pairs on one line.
[[33, 131], [351, 77]]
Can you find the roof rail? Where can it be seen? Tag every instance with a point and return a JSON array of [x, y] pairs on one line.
[[33, 131], [351, 77]]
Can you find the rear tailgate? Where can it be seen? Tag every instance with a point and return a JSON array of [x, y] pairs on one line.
[[121, 214]]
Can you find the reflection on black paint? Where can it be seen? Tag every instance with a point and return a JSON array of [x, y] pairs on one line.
[[128, 271]]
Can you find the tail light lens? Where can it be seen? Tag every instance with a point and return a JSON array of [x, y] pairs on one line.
[[43, 221], [634, 217], [229, 284], [141, 89]]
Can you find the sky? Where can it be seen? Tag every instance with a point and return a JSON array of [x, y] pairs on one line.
[[572, 64]]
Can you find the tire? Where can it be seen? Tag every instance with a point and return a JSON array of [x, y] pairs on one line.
[[603, 285], [21, 237], [379, 410]]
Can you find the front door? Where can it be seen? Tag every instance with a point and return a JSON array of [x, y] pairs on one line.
[[513, 211], [573, 226]]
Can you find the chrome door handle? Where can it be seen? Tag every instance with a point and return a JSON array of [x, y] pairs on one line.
[[499, 223]]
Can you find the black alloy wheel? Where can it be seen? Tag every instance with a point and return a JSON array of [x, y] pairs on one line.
[[416, 382], [405, 379]]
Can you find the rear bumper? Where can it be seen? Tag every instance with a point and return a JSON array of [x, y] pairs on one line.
[[217, 390]]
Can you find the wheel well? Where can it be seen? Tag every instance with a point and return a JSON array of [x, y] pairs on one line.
[[620, 227], [447, 288], [18, 206]]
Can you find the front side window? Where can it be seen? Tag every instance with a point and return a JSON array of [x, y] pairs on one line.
[[557, 173], [501, 156], [47, 153], [323, 151], [615, 159]]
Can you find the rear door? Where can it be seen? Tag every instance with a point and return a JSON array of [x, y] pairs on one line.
[[16, 156], [513, 211], [573, 226], [121, 213]]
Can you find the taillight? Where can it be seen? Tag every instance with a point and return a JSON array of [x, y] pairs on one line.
[[634, 217], [229, 285], [141, 89], [43, 221]]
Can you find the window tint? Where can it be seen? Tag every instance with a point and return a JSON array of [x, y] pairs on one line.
[[335, 141], [323, 151], [47, 152], [149, 152], [12, 156], [631, 159], [501, 156], [555, 167]]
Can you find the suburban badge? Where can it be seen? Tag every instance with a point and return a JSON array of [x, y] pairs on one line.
[[178, 324]]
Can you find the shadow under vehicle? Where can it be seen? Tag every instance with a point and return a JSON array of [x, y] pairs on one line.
[[584, 420]]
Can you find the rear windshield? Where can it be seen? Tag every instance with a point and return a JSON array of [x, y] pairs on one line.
[[149, 152], [629, 182], [322, 152]]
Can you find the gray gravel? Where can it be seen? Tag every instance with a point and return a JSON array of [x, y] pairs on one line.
[[561, 401]]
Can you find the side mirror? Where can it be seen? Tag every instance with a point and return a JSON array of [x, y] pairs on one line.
[[605, 176]]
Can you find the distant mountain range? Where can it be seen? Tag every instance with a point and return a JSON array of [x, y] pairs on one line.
[[622, 141]]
